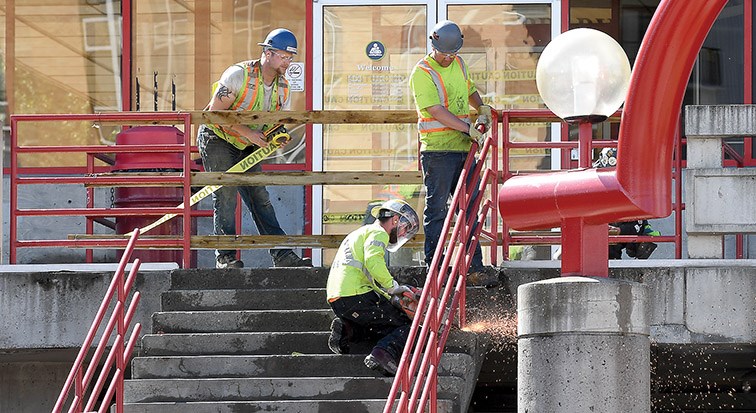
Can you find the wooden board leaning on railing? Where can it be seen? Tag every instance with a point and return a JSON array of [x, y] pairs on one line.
[[211, 242], [327, 117], [265, 178]]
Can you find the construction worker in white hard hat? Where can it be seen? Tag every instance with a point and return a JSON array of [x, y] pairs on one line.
[[252, 85], [360, 286], [444, 92]]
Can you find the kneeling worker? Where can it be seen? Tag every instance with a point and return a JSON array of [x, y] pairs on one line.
[[360, 285]]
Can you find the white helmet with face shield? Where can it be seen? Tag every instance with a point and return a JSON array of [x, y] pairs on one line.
[[408, 224]]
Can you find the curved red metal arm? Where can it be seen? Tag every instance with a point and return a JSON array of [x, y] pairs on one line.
[[640, 187]]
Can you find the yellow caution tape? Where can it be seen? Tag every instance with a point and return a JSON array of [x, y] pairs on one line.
[[343, 218], [277, 140]]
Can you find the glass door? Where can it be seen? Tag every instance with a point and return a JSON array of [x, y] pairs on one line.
[[363, 56], [365, 53]]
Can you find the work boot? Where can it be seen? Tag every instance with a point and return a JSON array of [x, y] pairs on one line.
[[381, 361], [480, 277], [228, 261], [291, 259], [644, 250], [338, 341]]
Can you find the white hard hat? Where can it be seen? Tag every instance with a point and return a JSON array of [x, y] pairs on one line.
[[408, 225]]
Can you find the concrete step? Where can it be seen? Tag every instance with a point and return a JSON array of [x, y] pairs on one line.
[[281, 406], [266, 343], [227, 300], [261, 389], [241, 321], [313, 342], [248, 278], [304, 365]]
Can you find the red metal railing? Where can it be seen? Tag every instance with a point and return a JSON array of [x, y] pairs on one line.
[[586, 149], [444, 290], [89, 211], [81, 376], [583, 201]]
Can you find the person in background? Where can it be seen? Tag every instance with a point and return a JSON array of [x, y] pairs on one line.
[[360, 287], [252, 85], [443, 92], [639, 250]]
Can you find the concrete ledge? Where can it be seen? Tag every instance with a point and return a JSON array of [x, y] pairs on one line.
[[707, 121], [102, 267], [716, 200], [44, 310]]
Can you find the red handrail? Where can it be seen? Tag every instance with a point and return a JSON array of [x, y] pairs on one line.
[[90, 212], [119, 323], [444, 291], [506, 173]]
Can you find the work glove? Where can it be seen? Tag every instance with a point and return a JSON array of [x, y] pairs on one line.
[[398, 289], [484, 117], [476, 135]]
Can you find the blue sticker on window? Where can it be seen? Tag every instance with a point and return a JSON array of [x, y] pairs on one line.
[[375, 50]]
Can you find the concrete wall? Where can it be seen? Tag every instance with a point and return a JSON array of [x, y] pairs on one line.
[[45, 318], [43, 310], [718, 200]]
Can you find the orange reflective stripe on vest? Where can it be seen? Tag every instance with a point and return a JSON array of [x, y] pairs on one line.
[[427, 125], [249, 99]]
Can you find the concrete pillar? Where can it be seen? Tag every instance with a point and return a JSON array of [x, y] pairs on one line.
[[583, 346]]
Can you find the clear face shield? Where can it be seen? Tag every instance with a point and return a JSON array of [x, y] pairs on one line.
[[407, 228], [408, 224]]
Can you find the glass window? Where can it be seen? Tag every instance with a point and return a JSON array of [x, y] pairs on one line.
[[186, 45], [502, 47], [66, 60]]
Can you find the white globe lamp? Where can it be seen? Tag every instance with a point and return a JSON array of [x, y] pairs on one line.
[[583, 76]]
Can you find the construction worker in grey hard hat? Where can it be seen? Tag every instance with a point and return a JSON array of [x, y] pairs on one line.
[[444, 92], [252, 85], [360, 287]]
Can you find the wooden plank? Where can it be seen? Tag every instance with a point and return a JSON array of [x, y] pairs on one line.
[[325, 117], [295, 178], [242, 241], [211, 242], [308, 178], [229, 117], [299, 117]]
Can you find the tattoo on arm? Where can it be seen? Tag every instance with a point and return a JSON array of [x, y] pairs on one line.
[[223, 92]]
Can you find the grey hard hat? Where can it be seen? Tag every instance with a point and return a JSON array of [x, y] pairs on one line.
[[446, 37]]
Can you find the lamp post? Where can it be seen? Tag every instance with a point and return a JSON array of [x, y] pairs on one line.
[[583, 76], [583, 342]]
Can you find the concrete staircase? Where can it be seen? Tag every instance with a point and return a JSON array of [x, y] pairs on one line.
[[256, 340]]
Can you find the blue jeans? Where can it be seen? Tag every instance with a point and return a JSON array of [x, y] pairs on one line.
[[441, 171], [217, 156]]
